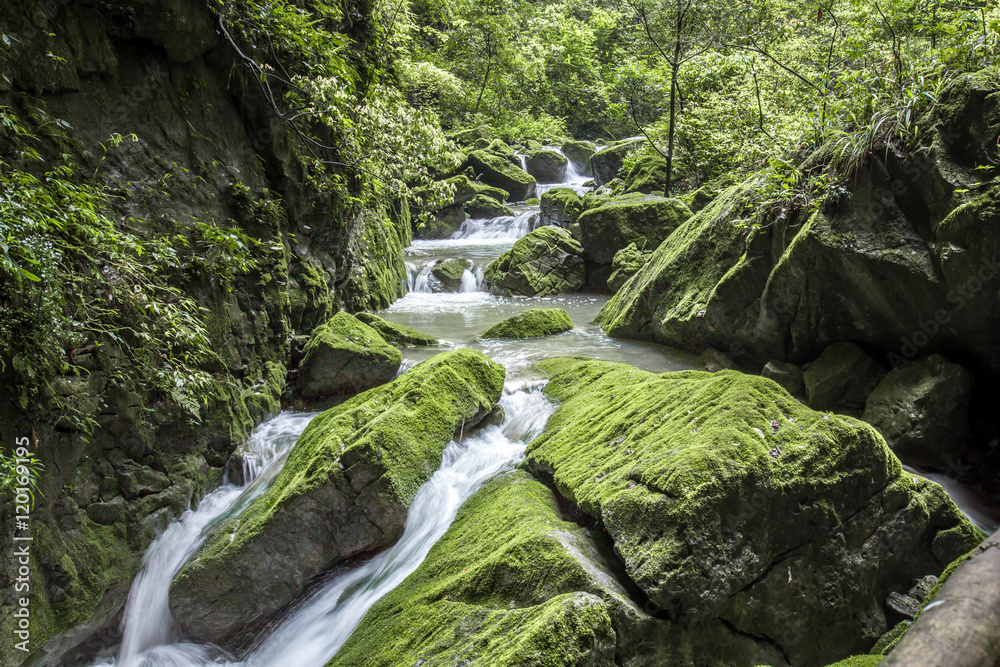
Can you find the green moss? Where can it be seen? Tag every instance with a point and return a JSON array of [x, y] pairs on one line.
[[484, 206], [648, 175], [500, 588], [533, 323], [399, 428], [499, 172], [396, 334], [346, 332], [859, 661], [378, 276], [451, 270], [561, 206], [547, 261], [627, 262], [646, 221], [532, 201], [888, 641]]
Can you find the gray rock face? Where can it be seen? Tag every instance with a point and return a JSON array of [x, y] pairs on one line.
[[788, 376], [922, 410], [841, 378], [345, 356], [547, 166], [546, 261]]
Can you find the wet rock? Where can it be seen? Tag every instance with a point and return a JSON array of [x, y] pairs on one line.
[[533, 323], [497, 171], [547, 166], [841, 378], [345, 356], [728, 500], [484, 206], [644, 220], [922, 409], [546, 261], [788, 376], [449, 273], [579, 153], [344, 491], [399, 335], [904, 605], [560, 207]]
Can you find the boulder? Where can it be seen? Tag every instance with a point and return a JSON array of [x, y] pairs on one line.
[[626, 263], [646, 221], [560, 207], [445, 222], [579, 153], [608, 161], [513, 582], [466, 189], [729, 501], [841, 378], [533, 323], [921, 408], [399, 335], [648, 175], [343, 492], [449, 273], [547, 166], [484, 206], [788, 376], [345, 356], [547, 261], [499, 172]]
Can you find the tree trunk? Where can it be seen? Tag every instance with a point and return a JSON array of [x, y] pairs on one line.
[[486, 79], [961, 626], [675, 67]]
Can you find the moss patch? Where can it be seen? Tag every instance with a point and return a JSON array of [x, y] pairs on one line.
[[396, 334], [547, 261], [345, 355], [533, 323], [646, 221]]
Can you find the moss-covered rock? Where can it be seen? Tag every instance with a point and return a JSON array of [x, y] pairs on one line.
[[399, 335], [547, 166], [921, 408], [533, 323], [580, 152], [728, 499], [484, 206], [546, 261], [345, 356], [446, 274], [497, 171], [626, 264], [841, 378], [469, 136], [645, 221], [608, 161], [647, 175], [560, 207], [344, 491]]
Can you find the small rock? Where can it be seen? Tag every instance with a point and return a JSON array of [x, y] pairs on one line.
[[903, 604], [788, 376]]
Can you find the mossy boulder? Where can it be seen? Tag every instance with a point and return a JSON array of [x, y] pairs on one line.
[[343, 492], [728, 500], [547, 261], [647, 175], [922, 409], [646, 221], [547, 166], [345, 356], [560, 207], [841, 378], [466, 189], [469, 196], [608, 161], [533, 323], [579, 153], [447, 274], [499, 172], [485, 206], [399, 335], [626, 263]]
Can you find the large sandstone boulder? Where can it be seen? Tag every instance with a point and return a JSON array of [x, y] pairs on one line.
[[547, 166], [841, 378], [560, 207], [345, 356], [513, 582], [579, 153], [547, 261], [644, 220], [907, 264], [344, 491], [730, 502], [608, 161], [922, 409], [533, 323], [499, 172]]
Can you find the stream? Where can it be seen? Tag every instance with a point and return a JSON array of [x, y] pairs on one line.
[[312, 631]]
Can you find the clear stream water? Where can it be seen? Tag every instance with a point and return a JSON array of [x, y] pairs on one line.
[[318, 625]]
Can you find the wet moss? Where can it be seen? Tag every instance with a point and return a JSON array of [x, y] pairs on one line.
[[396, 334], [533, 323]]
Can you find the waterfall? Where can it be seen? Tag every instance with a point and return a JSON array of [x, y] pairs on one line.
[[506, 227]]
